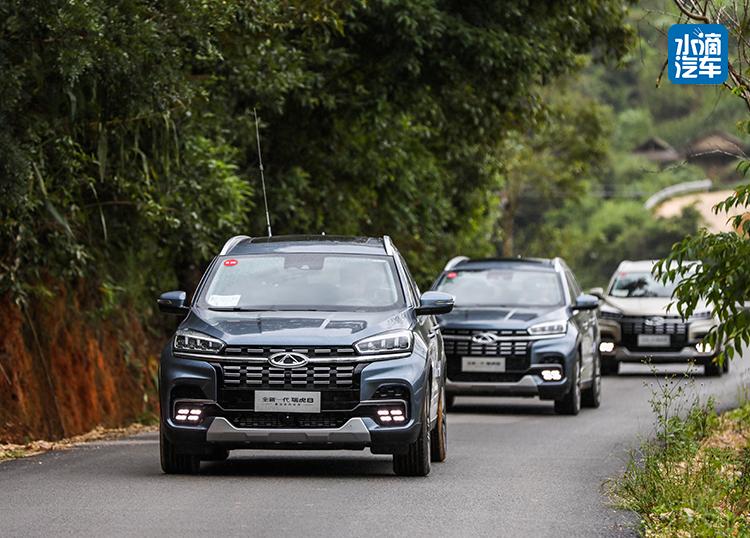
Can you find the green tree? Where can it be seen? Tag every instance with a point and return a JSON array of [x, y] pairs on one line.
[[722, 278]]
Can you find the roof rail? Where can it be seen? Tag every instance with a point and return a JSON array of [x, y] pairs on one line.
[[229, 245], [454, 262], [388, 244], [557, 263]]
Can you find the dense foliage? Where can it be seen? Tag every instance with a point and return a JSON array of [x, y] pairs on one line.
[[127, 145], [722, 279], [590, 210]]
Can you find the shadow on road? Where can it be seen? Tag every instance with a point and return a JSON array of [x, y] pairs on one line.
[[244, 463], [497, 406]]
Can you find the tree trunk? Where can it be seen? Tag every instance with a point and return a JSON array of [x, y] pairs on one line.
[[507, 222]]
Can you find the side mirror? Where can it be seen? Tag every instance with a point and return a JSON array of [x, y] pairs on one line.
[[434, 302], [597, 292], [586, 302], [173, 302]]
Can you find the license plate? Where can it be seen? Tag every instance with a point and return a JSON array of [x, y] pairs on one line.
[[653, 340], [483, 364], [287, 401]]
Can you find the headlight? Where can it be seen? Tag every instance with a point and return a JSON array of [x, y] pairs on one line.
[[194, 342], [390, 342], [550, 328], [609, 314]]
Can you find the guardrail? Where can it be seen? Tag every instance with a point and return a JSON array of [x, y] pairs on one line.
[[674, 190]]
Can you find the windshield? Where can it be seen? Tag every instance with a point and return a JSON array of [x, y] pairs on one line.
[[640, 284], [503, 287], [303, 281]]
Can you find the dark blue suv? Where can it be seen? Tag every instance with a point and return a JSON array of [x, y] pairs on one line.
[[520, 327], [305, 342]]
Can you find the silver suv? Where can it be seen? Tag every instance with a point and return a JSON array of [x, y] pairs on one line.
[[636, 323]]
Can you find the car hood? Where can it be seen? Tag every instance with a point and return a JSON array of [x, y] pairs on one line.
[[500, 317], [295, 328], [646, 306]]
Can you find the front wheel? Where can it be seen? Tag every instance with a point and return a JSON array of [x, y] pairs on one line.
[[570, 404], [173, 462], [439, 435], [592, 396], [416, 460]]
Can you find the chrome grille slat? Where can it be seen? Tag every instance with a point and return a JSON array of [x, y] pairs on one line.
[[253, 375], [263, 352]]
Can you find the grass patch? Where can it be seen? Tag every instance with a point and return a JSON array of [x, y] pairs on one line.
[[693, 478]]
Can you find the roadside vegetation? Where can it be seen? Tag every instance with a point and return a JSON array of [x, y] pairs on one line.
[[10, 451], [693, 477], [127, 157]]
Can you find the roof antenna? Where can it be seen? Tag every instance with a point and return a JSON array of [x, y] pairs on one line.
[[262, 176]]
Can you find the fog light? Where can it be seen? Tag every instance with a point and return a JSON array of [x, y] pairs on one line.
[[552, 375], [703, 347], [607, 347], [188, 414], [391, 414]]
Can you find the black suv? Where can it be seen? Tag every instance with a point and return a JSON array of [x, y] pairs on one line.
[[304, 342], [521, 327]]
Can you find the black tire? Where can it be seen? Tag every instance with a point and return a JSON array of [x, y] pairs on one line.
[[610, 366], [416, 460], [173, 462], [592, 396], [712, 368], [570, 404], [439, 435], [450, 402]]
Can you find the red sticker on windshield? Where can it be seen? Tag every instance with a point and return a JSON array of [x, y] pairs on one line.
[[452, 274], [230, 263]]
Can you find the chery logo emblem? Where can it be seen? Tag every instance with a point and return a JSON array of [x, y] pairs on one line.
[[288, 360], [657, 320], [485, 338]]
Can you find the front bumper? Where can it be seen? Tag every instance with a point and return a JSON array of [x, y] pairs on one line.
[[354, 433], [526, 382], [528, 385], [683, 343], [686, 354], [202, 378]]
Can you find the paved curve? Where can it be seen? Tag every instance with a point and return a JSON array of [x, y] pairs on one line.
[[514, 469]]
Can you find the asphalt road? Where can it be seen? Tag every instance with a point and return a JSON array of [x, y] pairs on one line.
[[514, 469]]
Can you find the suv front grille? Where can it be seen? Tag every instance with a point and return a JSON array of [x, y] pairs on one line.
[[459, 343], [675, 327], [639, 325], [338, 384], [308, 377]]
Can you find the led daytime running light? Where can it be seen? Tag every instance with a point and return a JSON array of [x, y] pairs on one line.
[[390, 342]]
